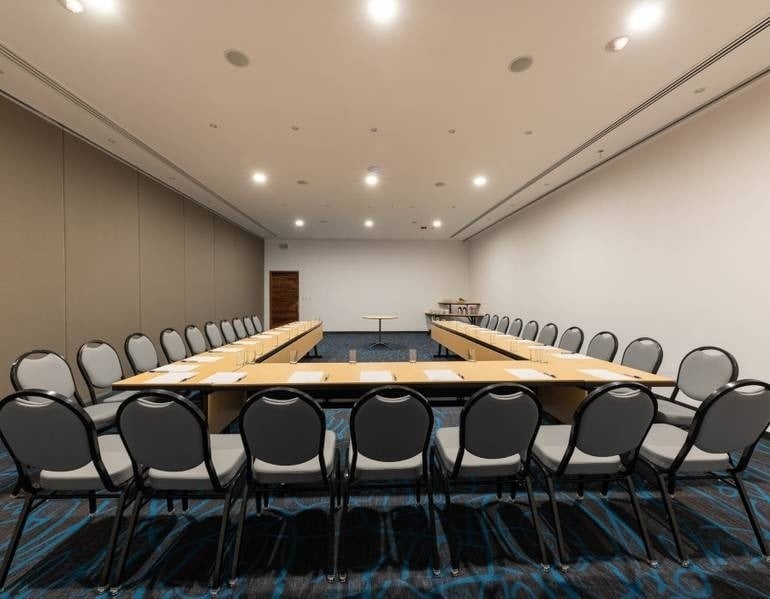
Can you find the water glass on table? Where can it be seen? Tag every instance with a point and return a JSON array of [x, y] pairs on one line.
[[293, 356], [412, 355], [352, 358]]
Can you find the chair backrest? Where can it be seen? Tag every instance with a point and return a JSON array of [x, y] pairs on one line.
[[45, 430], [613, 420], [502, 326], [257, 323], [390, 424], [516, 326], [499, 421], [141, 353], [228, 331], [240, 328], [703, 370], [165, 431], [643, 354], [283, 426], [100, 365], [44, 369], [572, 339], [173, 345], [530, 330], [195, 339], [492, 326], [484, 321], [548, 334], [213, 334], [603, 346], [249, 324]]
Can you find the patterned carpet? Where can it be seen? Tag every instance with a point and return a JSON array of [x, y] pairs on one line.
[[285, 549]]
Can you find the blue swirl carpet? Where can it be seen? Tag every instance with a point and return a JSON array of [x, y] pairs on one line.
[[285, 549]]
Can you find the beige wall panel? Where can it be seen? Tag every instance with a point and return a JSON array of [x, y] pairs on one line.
[[199, 265], [102, 247], [31, 236], [162, 255], [239, 267]]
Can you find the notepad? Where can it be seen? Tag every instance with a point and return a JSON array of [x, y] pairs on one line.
[[442, 375], [223, 378], [573, 357], [528, 373], [175, 368], [227, 350], [376, 376], [171, 377], [202, 359], [244, 342], [607, 375], [306, 376]]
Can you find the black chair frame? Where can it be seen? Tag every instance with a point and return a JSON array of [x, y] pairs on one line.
[[507, 321], [134, 369], [188, 328], [537, 328], [165, 349], [206, 333], [514, 321], [89, 383], [582, 337], [675, 392], [493, 321], [659, 359], [615, 339]]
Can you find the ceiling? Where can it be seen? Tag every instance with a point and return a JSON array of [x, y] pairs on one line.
[[148, 80]]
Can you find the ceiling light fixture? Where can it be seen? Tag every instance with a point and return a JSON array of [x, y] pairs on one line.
[[645, 16], [452, 131], [520, 64], [371, 179], [299, 223], [699, 90], [439, 184], [368, 224], [436, 224], [382, 12], [294, 128], [260, 178], [480, 181], [617, 44], [103, 6], [528, 132], [302, 182], [236, 58], [75, 6]]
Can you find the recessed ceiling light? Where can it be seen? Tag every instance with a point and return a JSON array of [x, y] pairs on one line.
[[520, 64], [699, 90], [414, 222], [236, 58], [302, 182], [452, 131], [213, 125], [645, 16], [294, 128], [371, 179], [480, 181], [323, 222], [617, 44], [528, 132], [374, 129], [259, 177], [368, 224], [382, 12], [439, 184], [104, 6], [75, 6], [299, 223], [436, 224]]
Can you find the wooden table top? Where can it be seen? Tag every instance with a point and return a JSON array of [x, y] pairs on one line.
[[379, 316]]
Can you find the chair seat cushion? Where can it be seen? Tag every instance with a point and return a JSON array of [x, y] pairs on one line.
[[663, 443], [448, 444], [306, 472], [86, 478], [551, 445], [674, 413], [369, 469], [227, 457], [102, 414]]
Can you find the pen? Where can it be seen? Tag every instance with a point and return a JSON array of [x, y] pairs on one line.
[[326, 377], [461, 376]]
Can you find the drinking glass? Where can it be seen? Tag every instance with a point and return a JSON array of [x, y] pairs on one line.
[[352, 356], [239, 357], [293, 356], [471, 355], [413, 355]]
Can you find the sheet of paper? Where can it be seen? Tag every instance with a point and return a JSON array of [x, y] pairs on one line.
[[202, 359], [528, 374], [607, 375], [175, 368], [376, 376], [244, 342], [171, 377], [227, 350], [224, 378], [442, 375], [306, 376], [572, 357]]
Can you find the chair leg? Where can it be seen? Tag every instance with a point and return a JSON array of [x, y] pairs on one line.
[[91, 503], [432, 517], [536, 521], [169, 505], [671, 486], [417, 497], [642, 528], [216, 576], [14, 544], [557, 524], [672, 520], [185, 504], [514, 487], [118, 579], [105, 579], [16, 490], [342, 568], [752, 517], [239, 534], [332, 499], [605, 489]]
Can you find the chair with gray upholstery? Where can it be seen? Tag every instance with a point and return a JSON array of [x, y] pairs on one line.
[[257, 323], [492, 326], [195, 339], [484, 321], [516, 325], [719, 444], [240, 328], [213, 334], [390, 429], [228, 331], [602, 445], [173, 346], [47, 370], [572, 339], [100, 366], [644, 354], [249, 324], [287, 447], [174, 456], [701, 372], [503, 325], [141, 353], [603, 346], [58, 455], [529, 331], [548, 334], [492, 445]]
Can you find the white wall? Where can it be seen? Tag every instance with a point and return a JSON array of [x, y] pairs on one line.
[[669, 241], [342, 280]]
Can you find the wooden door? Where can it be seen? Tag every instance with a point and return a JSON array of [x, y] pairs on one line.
[[284, 297]]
